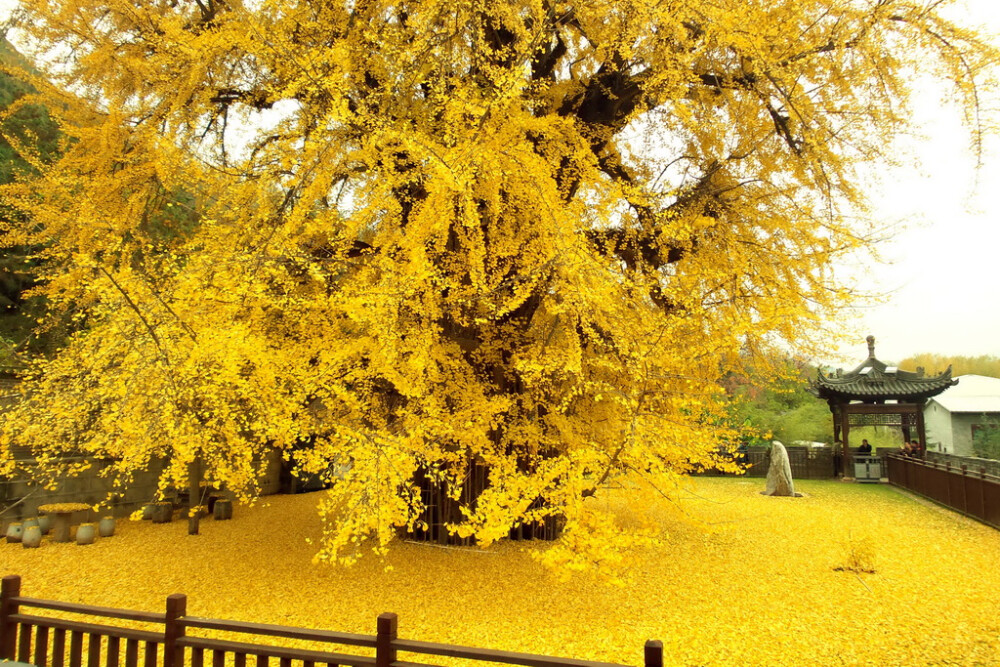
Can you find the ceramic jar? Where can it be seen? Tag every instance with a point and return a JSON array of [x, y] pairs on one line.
[[106, 528], [86, 533], [14, 532], [32, 537]]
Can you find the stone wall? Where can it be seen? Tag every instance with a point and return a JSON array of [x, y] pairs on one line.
[[21, 495]]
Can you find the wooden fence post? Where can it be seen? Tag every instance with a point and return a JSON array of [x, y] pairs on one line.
[[653, 653], [173, 656], [10, 588], [385, 635], [965, 489]]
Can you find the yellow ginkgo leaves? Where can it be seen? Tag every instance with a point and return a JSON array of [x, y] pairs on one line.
[[388, 238]]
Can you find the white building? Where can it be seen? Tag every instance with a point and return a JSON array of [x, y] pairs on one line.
[[953, 416]]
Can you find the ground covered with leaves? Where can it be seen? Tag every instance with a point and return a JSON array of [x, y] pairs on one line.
[[747, 579]]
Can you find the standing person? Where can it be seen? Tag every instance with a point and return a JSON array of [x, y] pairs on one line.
[[865, 448]]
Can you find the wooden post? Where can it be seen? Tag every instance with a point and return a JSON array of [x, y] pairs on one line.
[[10, 589], [836, 421], [921, 431], [653, 653], [173, 656], [845, 430], [965, 490], [947, 483], [385, 635], [982, 492]]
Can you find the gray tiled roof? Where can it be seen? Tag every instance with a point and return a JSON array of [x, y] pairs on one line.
[[873, 380]]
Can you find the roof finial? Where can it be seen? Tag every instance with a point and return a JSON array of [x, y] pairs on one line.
[[871, 346]]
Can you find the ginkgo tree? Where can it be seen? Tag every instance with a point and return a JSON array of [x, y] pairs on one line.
[[423, 235]]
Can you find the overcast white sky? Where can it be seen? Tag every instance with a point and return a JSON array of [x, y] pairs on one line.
[[944, 277], [943, 272]]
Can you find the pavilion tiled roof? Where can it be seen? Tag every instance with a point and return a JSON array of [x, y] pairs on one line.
[[875, 382]]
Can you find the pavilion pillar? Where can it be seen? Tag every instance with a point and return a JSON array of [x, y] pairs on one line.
[[845, 428], [921, 433], [835, 410]]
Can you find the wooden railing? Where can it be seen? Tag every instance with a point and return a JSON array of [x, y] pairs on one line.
[[43, 640], [805, 462], [989, 466], [973, 493]]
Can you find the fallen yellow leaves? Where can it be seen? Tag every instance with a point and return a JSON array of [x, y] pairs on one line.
[[751, 581]]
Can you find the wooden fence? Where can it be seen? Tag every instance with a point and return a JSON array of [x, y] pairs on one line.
[[56, 642], [806, 462], [971, 492], [990, 466], [441, 509]]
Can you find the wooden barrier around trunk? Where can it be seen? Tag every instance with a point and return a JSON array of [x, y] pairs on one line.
[[440, 509]]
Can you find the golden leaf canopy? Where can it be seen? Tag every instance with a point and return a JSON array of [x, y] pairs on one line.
[[408, 236]]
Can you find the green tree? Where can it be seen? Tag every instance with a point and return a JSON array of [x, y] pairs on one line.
[[27, 134], [986, 438], [778, 405]]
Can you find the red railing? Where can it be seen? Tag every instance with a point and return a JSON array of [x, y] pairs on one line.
[[973, 493], [42, 640]]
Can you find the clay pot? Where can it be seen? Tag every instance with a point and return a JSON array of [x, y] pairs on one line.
[[106, 528], [29, 522], [45, 523], [223, 509], [86, 533], [147, 511], [14, 532], [32, 537]]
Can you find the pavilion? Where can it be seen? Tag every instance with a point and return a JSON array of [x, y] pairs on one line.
[[875, 394]]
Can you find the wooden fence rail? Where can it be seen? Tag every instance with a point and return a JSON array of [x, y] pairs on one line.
[[48, 641], [973, 493], [805, 462]]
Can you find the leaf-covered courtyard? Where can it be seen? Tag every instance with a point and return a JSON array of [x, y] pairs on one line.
[[747, 579]]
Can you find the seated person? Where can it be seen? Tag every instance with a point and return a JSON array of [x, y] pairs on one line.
[[865, 448]]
